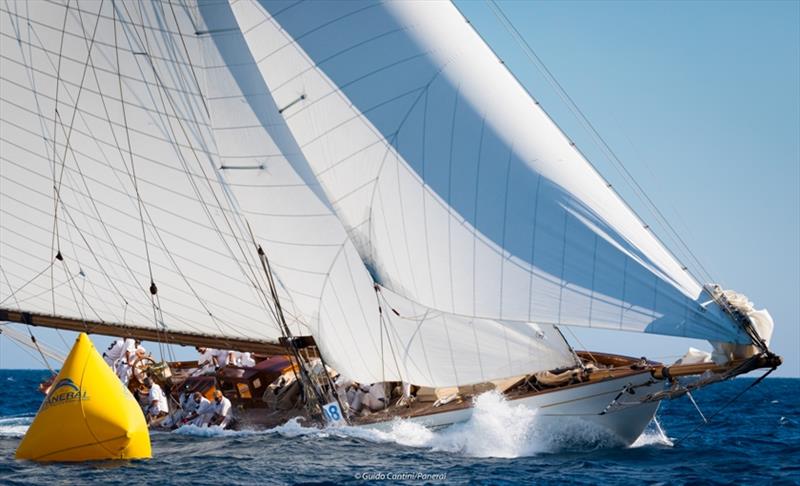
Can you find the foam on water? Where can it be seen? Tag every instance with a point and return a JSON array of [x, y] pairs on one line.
[[497, 428], [213, 431], [14, 426], [292, 428], [653, 435]]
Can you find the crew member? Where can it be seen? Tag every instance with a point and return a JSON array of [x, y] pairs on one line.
[[205, 363], [157, 405], [202, 411], [114, 352], [371, 398], [375, 398], [140, 352], [245, 360], [185, 407], [407, 398], [123, 366], [222, 410], [223, 357]]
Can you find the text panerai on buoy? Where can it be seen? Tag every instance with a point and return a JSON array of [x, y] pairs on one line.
[[87, 415]]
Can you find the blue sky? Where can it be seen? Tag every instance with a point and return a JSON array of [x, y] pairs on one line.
[[701, 101]]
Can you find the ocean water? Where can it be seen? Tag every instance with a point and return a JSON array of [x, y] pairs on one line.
[[756, 440]]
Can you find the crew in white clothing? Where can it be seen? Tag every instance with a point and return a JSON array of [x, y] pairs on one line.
[[406, 399], [203, 411], [123, 366], [376, 397], [245, 360], [373, 397], [157, 405], [114, 352], [205, 362], [223, 357], [222, 410], [140, 352], [185, 406]]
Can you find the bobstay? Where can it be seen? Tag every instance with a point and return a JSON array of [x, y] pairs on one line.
[[87, 415]]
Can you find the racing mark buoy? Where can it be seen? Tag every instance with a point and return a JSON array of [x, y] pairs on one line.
[[88, 415]]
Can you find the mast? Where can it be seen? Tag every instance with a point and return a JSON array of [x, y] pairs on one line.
[[290, 343]]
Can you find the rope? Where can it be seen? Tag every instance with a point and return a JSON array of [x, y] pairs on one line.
[[54, 240], [729, 402], [163, 92], [579, 342], [14, 292], [33, 339]]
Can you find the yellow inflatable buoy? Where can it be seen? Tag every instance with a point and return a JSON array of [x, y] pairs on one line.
[[88, 414]]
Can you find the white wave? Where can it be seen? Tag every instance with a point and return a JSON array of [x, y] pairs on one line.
[[214, 431], [497, 428], [14, 426], [653, 435]]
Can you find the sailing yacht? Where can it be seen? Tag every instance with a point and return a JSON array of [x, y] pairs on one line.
[[364, 183]]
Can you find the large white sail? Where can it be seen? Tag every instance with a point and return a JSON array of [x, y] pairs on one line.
[[79, 142], [321, 269], [213, 160], [457, 189]]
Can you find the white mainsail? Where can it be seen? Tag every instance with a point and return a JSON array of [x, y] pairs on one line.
[[99, 104], [213, 159], [457, 189]]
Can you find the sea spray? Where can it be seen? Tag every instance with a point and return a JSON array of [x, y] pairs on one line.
[[653, 435], [14, 426], [496, 428]]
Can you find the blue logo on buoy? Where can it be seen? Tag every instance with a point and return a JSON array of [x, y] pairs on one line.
[[63, 392]]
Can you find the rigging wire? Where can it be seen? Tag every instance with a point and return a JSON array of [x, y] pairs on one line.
[[14, 292], [72, 151], [54, 240], [724, 406], [10, 332], [27, 327], [63, 204], [597, 138], [379, 296], [153, 288], [58, 120], [162, 92]]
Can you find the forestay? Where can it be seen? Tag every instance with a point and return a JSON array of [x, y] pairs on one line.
[[457, 189]]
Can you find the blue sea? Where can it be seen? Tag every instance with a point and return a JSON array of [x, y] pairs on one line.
[[756, 440]]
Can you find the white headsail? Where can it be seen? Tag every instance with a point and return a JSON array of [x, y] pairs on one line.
[[213, 159], [459, 192], [321, 269]]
